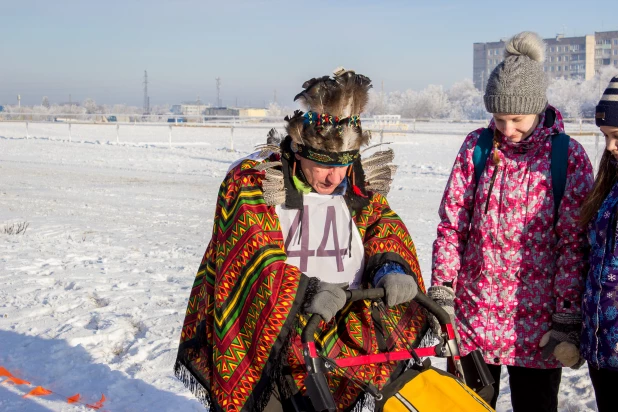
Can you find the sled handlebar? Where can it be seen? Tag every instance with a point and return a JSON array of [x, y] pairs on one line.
[[377, 294], [364, 294]]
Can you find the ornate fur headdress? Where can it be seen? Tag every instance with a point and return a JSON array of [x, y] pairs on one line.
[[329, 133], [330, 130]]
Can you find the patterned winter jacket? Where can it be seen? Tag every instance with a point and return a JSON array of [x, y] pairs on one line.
[[510, 266], [599, 343]]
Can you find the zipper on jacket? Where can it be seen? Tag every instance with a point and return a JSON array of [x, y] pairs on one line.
[[495, 157], [491, 186]]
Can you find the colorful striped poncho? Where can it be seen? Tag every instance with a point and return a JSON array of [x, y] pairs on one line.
[[246, 304]]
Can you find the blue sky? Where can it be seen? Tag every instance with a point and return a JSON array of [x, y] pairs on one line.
[[100, 49]]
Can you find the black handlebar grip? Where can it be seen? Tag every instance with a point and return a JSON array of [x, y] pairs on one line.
[[364, 294], [433, 308], [310, 327]]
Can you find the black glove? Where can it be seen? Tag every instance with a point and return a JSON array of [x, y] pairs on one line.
[[328, 300], [562, 340], [445, 297], [398, 287]]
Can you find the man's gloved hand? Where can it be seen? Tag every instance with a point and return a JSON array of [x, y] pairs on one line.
[[398, 288], [563, 340], [445, 297], [328, 300]]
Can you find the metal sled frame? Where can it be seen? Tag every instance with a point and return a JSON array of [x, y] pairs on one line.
[[316, 384]]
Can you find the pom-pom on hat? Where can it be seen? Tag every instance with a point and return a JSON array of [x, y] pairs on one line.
[[607, 109], [518, 85]]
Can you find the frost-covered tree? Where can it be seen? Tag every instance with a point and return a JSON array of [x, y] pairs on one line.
[[568, 96], [432, 103], [578, 98], [376, 104], [160, 109], [466, 101], [45, 102], [90, 105], [604, 75], [122, 109], [399, 103], [275, 110]]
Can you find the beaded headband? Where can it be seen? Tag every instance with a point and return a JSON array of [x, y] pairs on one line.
[[325, 157]]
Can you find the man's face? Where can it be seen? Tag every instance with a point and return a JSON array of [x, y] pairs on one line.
[[324, 179], [516, 127]]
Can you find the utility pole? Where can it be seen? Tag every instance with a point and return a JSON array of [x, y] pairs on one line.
[[19, 101], [146, 98], [218, 80]]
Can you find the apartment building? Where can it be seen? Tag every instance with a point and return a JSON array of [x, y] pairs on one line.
[[566, 57]]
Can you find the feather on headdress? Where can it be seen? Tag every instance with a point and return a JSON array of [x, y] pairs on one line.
[[329, 133], [333, 106]]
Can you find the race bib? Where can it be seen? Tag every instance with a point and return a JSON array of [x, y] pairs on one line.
[[317, 241]]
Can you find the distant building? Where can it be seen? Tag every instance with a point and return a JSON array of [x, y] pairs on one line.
[[252, 112], [606, 49], [565, 57], [221, 111], [195, 108]]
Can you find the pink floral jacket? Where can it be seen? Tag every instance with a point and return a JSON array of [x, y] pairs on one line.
[[511, 268]]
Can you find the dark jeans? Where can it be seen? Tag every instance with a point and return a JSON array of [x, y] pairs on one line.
[[531, 389], [604, 382]]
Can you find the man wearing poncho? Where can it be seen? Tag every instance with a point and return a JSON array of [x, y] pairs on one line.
[[290, 233]]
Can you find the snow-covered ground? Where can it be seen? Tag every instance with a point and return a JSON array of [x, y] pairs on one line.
[[92, 296]]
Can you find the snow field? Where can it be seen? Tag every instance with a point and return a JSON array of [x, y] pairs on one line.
[[93, 294]]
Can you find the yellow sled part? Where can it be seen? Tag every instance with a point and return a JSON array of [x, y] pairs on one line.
[[430, 391]]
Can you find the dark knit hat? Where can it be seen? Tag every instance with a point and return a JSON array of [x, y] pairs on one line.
[[607, 109], [518, 85]]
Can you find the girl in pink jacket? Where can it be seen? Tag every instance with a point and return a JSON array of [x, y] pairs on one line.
[[508, 261]]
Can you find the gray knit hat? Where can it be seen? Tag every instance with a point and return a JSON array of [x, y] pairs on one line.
[[518, 85]]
